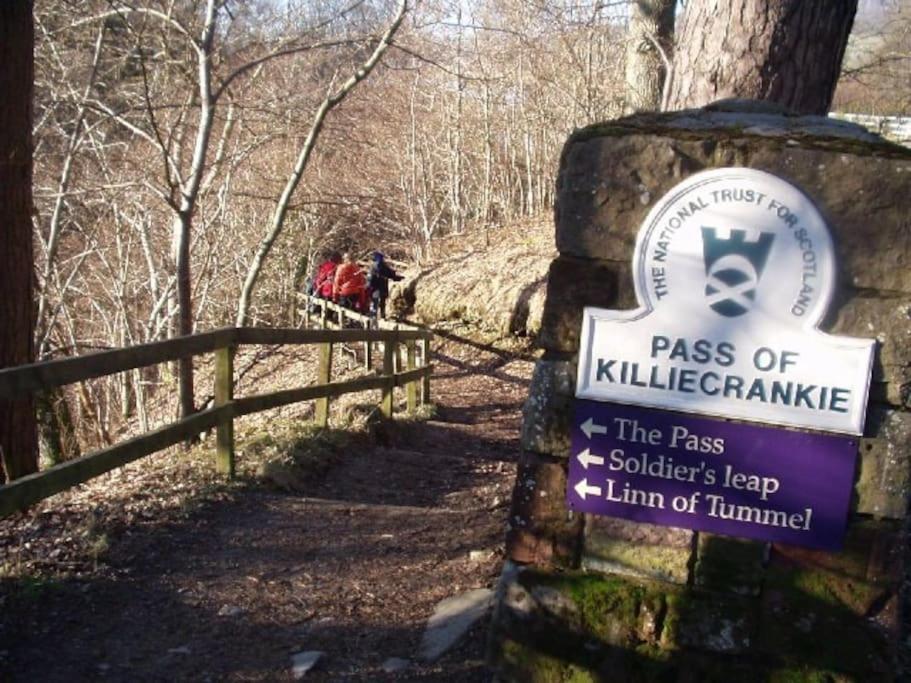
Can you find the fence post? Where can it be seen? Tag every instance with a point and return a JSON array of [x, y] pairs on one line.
[[389, 352], [368, 348], [324, 376], [411, 389], [307, 305], [322, 314], [425, 363], [224, 394]]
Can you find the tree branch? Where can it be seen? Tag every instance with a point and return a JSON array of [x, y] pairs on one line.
[[331, 101]]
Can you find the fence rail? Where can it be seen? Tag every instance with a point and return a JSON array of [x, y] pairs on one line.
[[28, 379]]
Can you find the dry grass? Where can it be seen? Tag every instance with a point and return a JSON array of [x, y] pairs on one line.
[[497, 288]]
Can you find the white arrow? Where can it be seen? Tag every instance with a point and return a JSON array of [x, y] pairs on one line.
[[589, 427], [587, 458], [583, 489]]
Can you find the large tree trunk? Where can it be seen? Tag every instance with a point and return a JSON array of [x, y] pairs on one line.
[[648, 47], [784, 51], [18, 433]]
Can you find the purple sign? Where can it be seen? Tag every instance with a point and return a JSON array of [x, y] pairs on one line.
[[671, 469]]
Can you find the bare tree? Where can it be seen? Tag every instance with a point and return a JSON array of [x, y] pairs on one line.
[[332, 100], [874, 77], [182, 135]]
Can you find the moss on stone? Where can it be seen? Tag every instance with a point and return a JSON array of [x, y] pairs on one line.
[[650, 664], [838, 590], [854, 594], [606, 610], [803, 675], [729, 564], [646, 561], [523, 663], [814, 620], [710, 622], [609, 606], [793, 636], [702, 668], [671, 621], [815, 635]]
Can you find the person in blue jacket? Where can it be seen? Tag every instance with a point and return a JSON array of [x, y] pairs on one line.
[[378, 282]]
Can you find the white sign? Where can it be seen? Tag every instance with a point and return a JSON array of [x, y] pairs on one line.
[[734, 269]]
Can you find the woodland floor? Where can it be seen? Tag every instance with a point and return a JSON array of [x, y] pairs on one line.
[[227, 584]]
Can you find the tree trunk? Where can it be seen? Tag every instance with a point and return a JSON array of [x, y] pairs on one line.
[[18, 432], [183, 222], [455, 140], [57, 435], [651, 32], [182, 227], [784, 51]]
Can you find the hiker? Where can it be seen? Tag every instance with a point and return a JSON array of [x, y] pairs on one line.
[[380, 275], [325, 275], [350, 285]]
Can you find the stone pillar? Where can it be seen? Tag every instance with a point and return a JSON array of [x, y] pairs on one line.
[[602, 599]]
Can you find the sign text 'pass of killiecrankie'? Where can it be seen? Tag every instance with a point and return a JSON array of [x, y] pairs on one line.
[[734, 270]]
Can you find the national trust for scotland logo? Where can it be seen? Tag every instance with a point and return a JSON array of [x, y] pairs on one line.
[[755, 244], [734, 261]]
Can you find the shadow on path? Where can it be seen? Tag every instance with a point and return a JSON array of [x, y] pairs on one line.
[[233, 589]]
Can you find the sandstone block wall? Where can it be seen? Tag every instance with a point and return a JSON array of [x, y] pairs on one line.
[[595, 598]]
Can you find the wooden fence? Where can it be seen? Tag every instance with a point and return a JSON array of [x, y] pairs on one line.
[[326, 314], [23, 380]]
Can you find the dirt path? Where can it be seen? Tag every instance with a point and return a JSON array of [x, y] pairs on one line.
[[352, 567]]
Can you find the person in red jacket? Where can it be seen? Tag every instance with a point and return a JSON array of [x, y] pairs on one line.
[[325, 275], [350, 286]]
